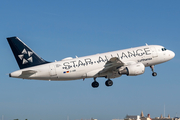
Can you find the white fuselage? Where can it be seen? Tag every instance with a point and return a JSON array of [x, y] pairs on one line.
[[89, 66]]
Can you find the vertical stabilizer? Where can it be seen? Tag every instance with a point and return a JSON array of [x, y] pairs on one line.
[[25, 57]]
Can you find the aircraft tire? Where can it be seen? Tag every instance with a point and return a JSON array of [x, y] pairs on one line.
[[109, 83], [95, 84], [154, 74]]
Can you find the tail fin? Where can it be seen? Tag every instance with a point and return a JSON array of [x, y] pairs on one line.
[[25, 57]]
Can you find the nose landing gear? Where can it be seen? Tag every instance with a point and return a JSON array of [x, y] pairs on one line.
[[154, 73]]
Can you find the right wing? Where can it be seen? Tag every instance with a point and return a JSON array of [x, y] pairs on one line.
[[112, 65]]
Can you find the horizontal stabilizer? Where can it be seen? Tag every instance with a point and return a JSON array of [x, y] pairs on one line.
[[28, 72], [22, 74]]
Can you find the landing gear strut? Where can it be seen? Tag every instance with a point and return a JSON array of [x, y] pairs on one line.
[[95, 84], [152, 68], [109, 82]]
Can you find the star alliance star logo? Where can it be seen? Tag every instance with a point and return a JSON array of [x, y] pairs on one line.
[[26, 56]]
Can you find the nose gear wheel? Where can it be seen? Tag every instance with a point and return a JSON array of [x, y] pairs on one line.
[[152, 68], [154, 74]]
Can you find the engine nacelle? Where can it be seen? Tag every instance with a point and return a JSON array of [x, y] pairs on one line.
[[132, 70]]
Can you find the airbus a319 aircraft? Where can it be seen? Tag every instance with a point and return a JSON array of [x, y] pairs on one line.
[[130, 62]]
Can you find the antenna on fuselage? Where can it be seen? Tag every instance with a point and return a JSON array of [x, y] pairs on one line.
[[146, 44]]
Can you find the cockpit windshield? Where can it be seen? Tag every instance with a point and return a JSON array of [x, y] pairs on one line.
[[163, 49]]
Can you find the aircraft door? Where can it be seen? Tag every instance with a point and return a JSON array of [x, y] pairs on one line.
[[154, 52], [52, 71]]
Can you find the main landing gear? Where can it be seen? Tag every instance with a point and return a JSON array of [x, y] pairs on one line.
[[154, 73], [109, 82], [95, 84]]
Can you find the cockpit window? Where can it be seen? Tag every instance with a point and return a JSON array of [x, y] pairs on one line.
[[164, 49]]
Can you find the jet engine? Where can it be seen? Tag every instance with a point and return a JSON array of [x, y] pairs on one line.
[[132, 70]]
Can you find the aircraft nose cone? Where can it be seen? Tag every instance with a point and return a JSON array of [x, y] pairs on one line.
[[171, 54]]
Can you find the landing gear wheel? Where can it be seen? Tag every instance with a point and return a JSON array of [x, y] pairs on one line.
[[109, 83], [95, 84], [154, 74]]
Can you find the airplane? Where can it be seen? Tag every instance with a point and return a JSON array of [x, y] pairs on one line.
[[130, 62]]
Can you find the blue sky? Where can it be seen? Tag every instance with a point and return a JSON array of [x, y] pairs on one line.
[[58, 29]]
